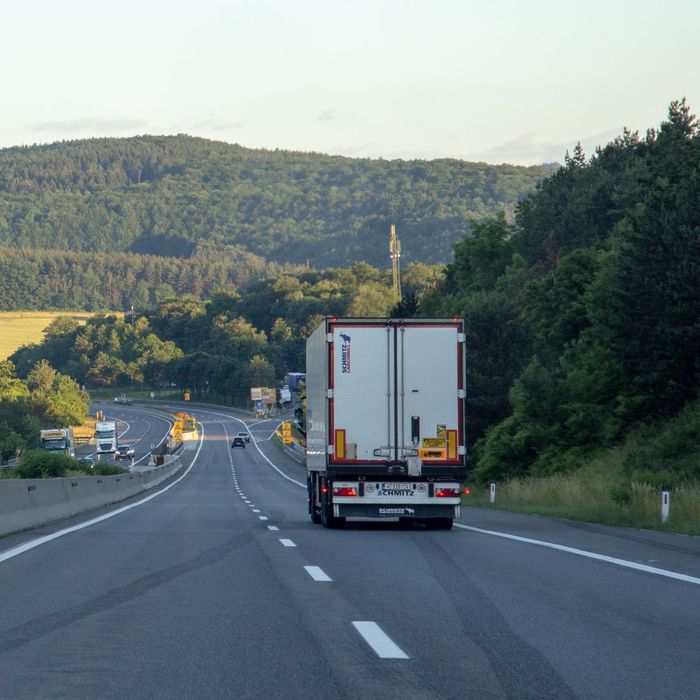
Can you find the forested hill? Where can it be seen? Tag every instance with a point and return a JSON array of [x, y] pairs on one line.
[[167, 195]]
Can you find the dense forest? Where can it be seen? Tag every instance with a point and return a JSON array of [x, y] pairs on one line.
[[168, 195], [53, 279], [582, 316], [220, 347]]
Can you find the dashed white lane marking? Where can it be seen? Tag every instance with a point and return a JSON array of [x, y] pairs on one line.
[[274, 528], [375, 636], [287, 543], [317, 573], [256, 510], [262, 517], [589, 555]]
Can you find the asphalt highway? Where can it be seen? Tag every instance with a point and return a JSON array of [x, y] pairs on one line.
[[221, 587], [142, 428]]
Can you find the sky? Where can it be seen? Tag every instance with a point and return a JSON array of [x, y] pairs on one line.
[[495, 81]]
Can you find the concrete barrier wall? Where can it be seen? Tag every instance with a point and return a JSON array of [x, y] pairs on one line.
[[26, 503]]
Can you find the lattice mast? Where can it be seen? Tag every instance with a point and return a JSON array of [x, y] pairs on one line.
[[395, 255]]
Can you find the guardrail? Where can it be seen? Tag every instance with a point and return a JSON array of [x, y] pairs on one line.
[[27, 503]]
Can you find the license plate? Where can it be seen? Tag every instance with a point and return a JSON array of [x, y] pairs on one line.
[[396, 488]]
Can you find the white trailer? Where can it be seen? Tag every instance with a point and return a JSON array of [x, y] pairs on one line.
[[106, 437], [385, 419]]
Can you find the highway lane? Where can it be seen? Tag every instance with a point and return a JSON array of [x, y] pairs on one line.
[[140, 427], [205, 592], [554, 640]]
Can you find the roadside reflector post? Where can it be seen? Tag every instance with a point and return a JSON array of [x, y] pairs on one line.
[[493, 492], [665, 504]]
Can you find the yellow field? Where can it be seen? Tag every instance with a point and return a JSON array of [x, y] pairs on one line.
[[19, 328]]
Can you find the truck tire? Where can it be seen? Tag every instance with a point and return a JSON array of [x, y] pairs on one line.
[[443, 523], [314, 511], [327, 518], [439, 523]]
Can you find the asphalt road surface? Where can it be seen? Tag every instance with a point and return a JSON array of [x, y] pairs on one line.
[[221, 587], [140, 427]]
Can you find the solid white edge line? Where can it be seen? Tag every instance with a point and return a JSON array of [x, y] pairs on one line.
[[287, 543], [590, 555], [317, 573], [380, 642], [20, 549]]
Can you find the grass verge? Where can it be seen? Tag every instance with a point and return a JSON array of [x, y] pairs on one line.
[[597, 492]]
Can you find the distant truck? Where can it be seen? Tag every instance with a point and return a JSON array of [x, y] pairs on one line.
[[58, 440], [385, 420], [285, 396], [106, 437]]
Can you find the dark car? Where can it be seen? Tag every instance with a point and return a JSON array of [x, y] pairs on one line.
[[124, 452], [238, 441], [87, 462], [245, 436]]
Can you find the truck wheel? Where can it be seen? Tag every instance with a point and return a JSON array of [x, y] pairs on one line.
[[440, 523], [314, 511], [327, 518]]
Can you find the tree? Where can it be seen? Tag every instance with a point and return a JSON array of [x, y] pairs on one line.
[[57, 400]]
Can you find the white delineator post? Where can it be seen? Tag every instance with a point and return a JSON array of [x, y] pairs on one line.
[[493, 492], [665, 504]]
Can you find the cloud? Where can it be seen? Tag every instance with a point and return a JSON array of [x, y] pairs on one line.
[[525, 149], [329, 115], [73, 126], [225, 126]]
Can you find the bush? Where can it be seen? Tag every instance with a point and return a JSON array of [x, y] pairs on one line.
[[40, 464], [669, 452], [108, 470]]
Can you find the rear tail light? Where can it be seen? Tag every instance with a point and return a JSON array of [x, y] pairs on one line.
[[446, 493], [466, 492], [344, 491]]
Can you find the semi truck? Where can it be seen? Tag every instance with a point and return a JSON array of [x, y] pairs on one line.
[[105, 437], [385, 420], [58, 440]]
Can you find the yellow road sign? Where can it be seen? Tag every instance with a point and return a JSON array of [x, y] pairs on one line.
[[177, 431]]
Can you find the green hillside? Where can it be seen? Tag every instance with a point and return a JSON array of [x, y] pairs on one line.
[[171, 195]]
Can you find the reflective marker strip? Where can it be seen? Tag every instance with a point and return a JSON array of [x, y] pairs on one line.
[[340, 444], [589, 555], [317, 573], [287, 543], [451, 444], [379, 641]]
